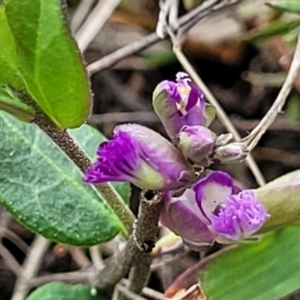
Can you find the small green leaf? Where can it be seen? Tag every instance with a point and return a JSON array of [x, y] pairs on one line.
[[281, 199], [88, 138], [9, 70], [292, 6], [49, 60], [267, 270], [43, 188], [63, 291], [10, 103]]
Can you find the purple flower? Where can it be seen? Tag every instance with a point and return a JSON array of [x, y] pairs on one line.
[[214, 209], [179, 103], [141, 156], [197, 143]]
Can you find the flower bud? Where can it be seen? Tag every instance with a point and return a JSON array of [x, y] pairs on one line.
[[197, 143], [231, 153], [180, 103], [139, 155]]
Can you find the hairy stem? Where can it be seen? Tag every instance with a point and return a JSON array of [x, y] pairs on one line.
[[69, 146]]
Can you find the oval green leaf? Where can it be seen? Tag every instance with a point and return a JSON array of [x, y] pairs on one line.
[[49, 60], [267, 270], [43, 188], [63, 291], [9, 69], [89, 138]]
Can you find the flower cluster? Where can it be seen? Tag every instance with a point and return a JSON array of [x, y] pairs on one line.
[[208, 208]]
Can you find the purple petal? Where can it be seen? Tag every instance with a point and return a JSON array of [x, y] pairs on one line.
[[212, 191], [118, 160], [192, 99], [165, 99], [196, 96], [161, 156], [239, 217], [181, 218]]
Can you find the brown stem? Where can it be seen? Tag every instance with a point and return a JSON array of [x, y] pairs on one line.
[[139, 244]]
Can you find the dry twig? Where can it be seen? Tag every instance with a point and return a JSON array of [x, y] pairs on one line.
[[80, 14], [253, 138], [30, 267], [185, 22], [95, 21]]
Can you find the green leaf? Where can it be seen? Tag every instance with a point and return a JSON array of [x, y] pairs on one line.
[[49, 60], [89, 138], [9, 70], [289, 178], [281, 199], [10, 103], [292, 6], [43, 188], [267, 270], [63, 291]]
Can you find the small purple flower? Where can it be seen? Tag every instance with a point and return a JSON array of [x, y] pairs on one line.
[[214, 209], [139, 155], [197, 143], [179, 103]]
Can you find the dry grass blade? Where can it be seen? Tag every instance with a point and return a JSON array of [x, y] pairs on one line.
[[95, 21], [253, 138]]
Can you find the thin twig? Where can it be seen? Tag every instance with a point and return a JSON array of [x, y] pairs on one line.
[[30, 267], [253, 138], [79, 257], [120, 289], [10, 235], [220, 112], [109, 60], [5, 218], [95, 22], [9, 260], [80, 14], [147, 291], [86, 277], [96, 257]]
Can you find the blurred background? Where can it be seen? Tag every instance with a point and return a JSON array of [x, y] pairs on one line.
[[242, 53]]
